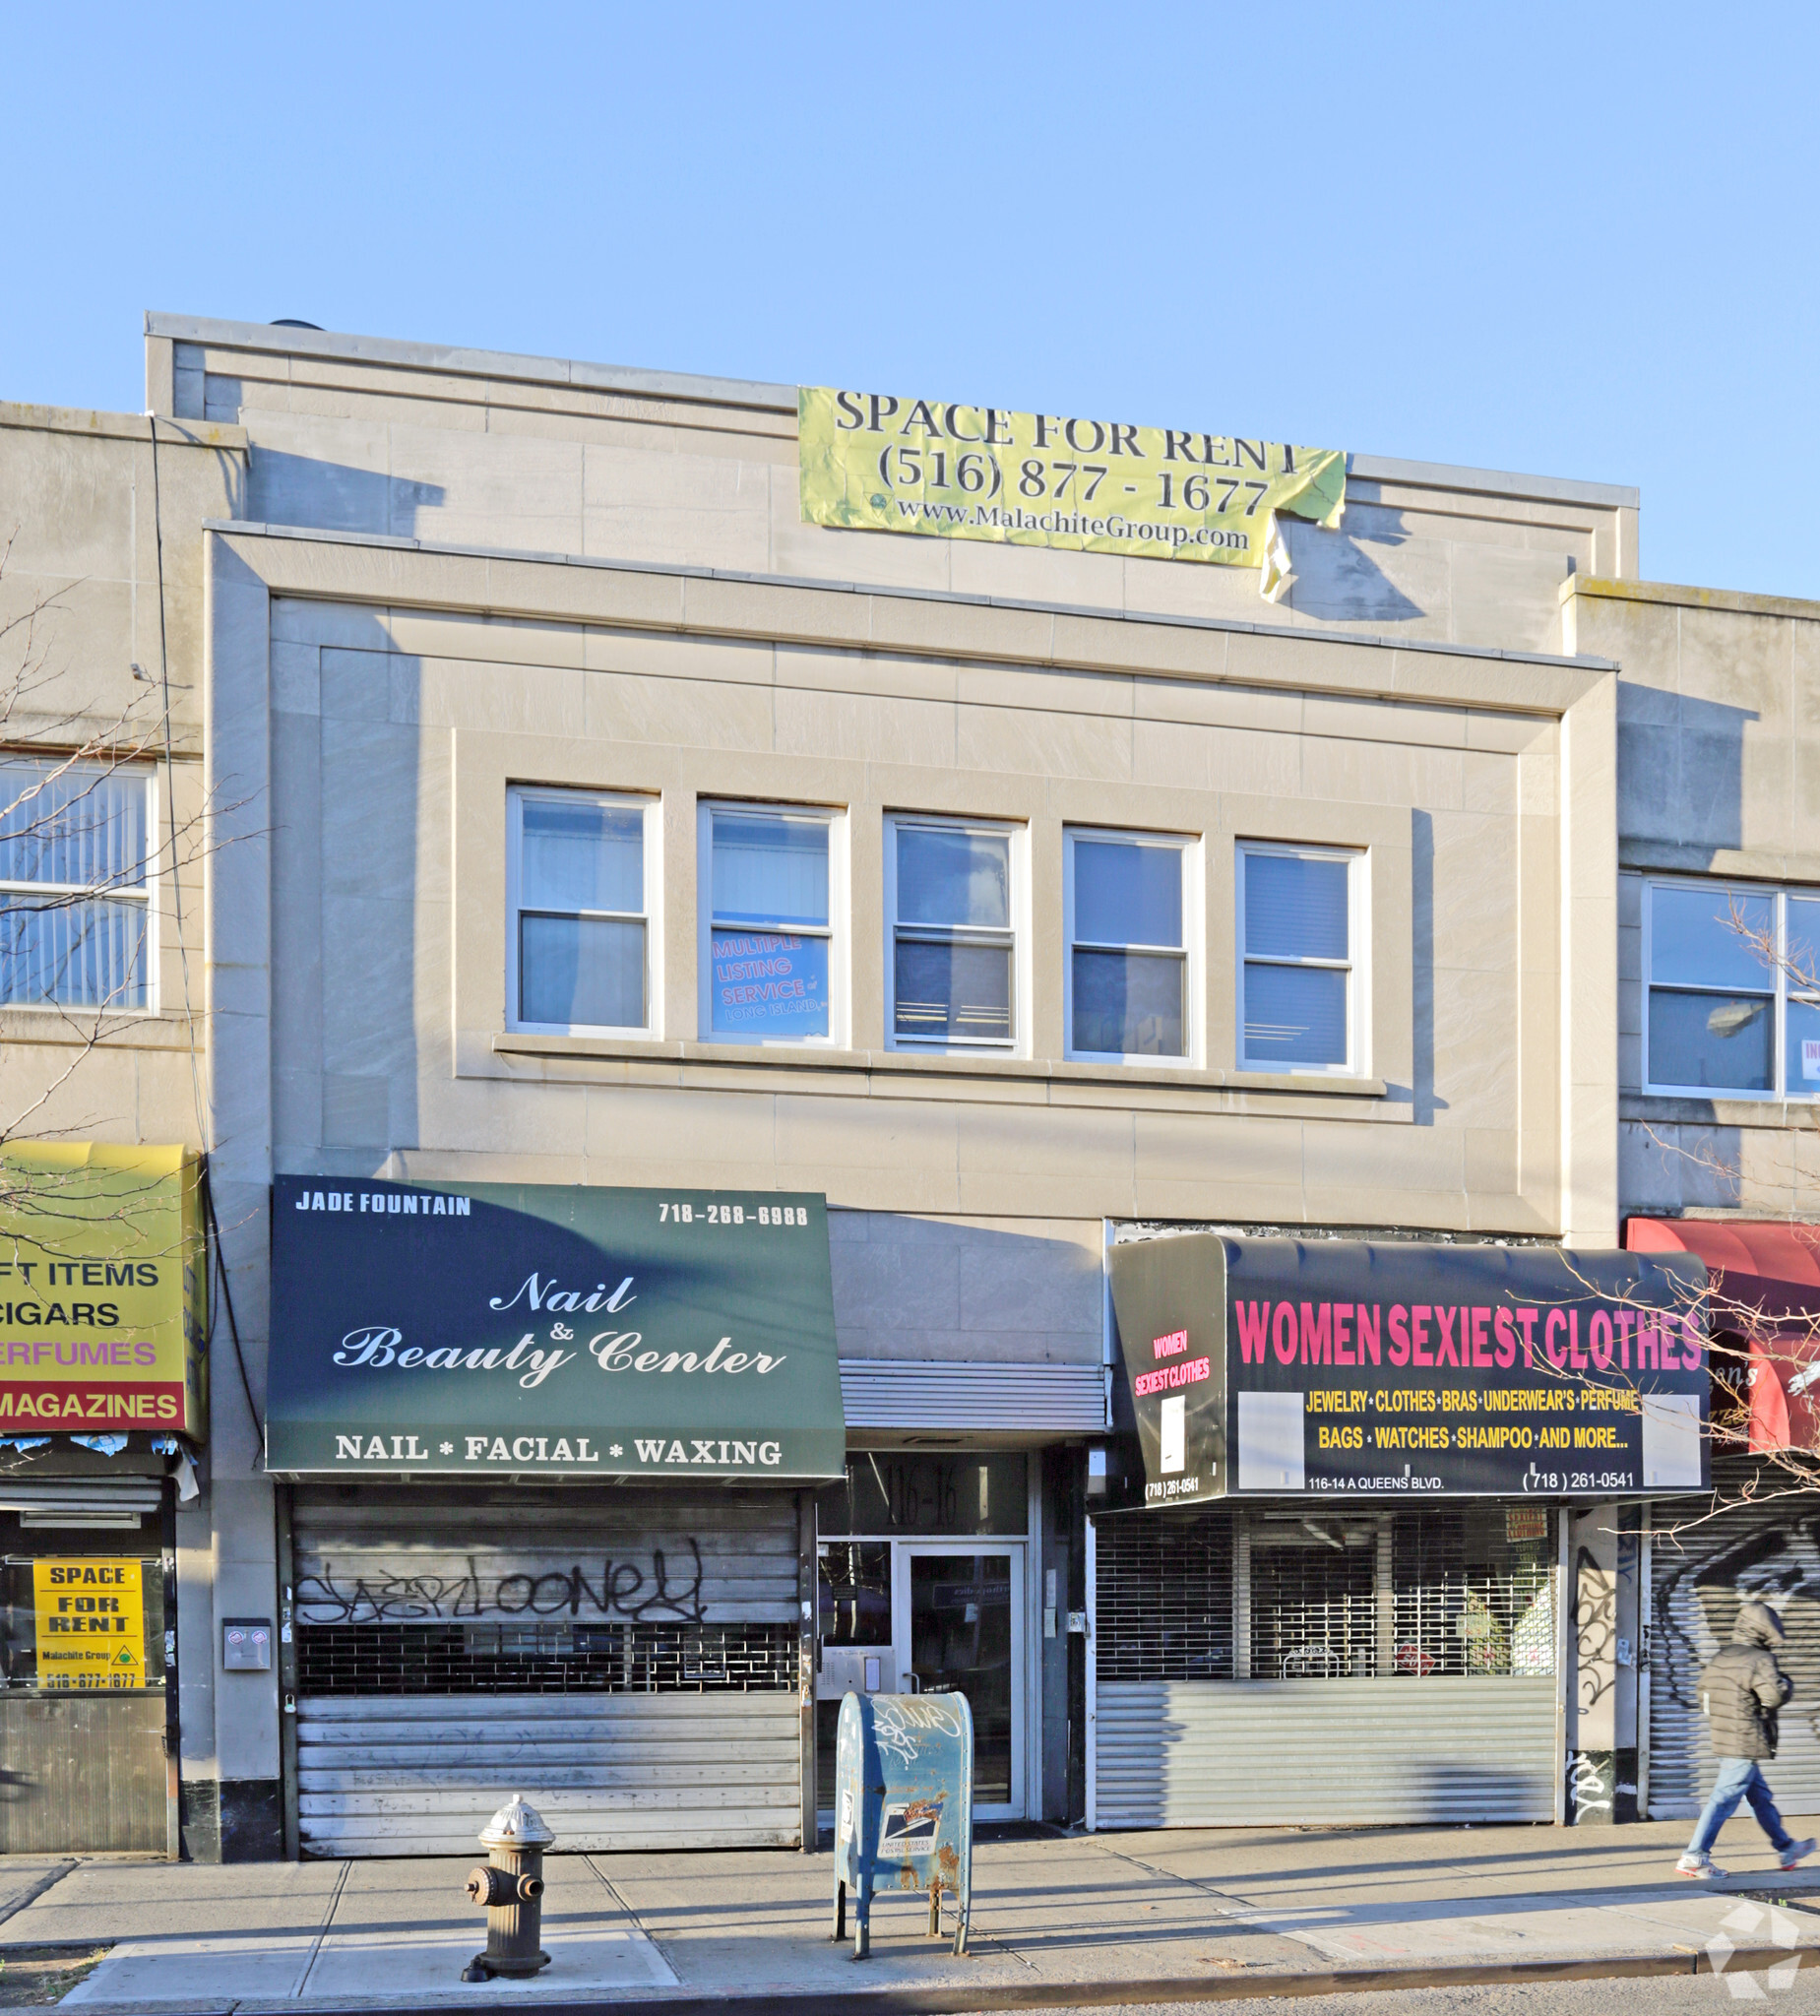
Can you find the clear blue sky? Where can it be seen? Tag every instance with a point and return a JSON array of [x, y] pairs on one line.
[[1578, 240]]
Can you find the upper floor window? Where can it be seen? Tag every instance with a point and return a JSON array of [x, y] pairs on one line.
[[770, 971], [1732, 989], [1128, 978], [75, 890], [1298, 967], [950, 908], [579, 875]]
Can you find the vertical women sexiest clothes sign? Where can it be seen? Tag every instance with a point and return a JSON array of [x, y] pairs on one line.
[[1328, 1367], [537, 1329]]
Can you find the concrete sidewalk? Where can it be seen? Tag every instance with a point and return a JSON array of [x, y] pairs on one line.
[[1201, 1913]]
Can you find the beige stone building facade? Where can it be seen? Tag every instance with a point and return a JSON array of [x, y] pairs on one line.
[[103, 819], [437, 615], [1718, 886]]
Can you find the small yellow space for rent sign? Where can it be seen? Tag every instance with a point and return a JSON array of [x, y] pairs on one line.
[[91, 1618]]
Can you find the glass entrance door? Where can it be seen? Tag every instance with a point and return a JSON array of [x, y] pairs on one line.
[[960, 1614], [921, 1585]]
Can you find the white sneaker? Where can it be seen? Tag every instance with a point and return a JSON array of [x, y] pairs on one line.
[[1796, 1852], [1700, 1866]]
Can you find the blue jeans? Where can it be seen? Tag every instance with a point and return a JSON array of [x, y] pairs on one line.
[[1739, 1779]]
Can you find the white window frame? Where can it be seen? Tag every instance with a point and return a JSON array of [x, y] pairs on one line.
[[837, 934], [1016, 1044], [1358, 967], [517, 796], [1780, 992], [145, 895], [1188, 848]]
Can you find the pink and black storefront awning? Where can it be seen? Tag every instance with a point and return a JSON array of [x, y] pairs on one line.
[[1766, 1290]]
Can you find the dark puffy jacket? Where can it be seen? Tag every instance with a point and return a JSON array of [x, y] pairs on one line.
[[1743, 1688]]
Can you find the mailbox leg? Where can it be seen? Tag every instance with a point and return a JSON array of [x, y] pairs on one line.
[[935, 1909], [862, 1917], [839, 1911], [963, 1912]]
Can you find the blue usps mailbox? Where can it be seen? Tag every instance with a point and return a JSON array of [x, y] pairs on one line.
[[903, 1808]]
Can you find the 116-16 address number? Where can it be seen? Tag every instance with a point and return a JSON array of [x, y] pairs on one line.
[[732, 1214]]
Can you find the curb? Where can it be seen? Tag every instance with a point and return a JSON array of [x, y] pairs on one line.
[[960, 2000]]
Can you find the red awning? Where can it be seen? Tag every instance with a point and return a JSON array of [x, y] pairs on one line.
[[1782, 1255], [1766, 1274]]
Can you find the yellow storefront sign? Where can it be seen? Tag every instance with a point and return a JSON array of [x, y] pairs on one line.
[[103, 1306], [877, 462], [91, 1618]]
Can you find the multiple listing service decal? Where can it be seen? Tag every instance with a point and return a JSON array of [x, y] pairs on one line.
[[1324, 1368], [877, 462], [498, 1330]]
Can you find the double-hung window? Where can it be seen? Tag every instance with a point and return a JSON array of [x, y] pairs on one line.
[[1128, 973], [75, 886], [1300, 941], [580, 874], [1732, 994], [951, 904], [770, 971]]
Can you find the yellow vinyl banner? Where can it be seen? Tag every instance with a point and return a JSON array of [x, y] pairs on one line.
[[90, 1623], [874, 463], [104, 1305]]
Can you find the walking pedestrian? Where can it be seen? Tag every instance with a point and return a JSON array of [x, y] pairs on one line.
[[1741, 1693]]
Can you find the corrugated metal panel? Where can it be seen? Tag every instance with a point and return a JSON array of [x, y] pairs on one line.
[[82, 1494], [912, 1393], [85, 1774], [421, 1775], [1700, 1574], [1300, 1664], [1351, 1753], [627, 1656]]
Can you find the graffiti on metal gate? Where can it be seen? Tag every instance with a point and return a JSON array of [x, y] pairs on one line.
[[658, 1591], [1705, 1573]]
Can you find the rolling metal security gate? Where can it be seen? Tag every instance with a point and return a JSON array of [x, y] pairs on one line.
[[1281, 1667], [628, 1658], [1699, 1575], [964, 1396]]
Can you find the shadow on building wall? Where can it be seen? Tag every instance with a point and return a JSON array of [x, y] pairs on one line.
[[1422, 1094], [1681, 803], [1680, 777], [1339, 577], [353, 797], [335, 496], [925, 1288], [347, 787]]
